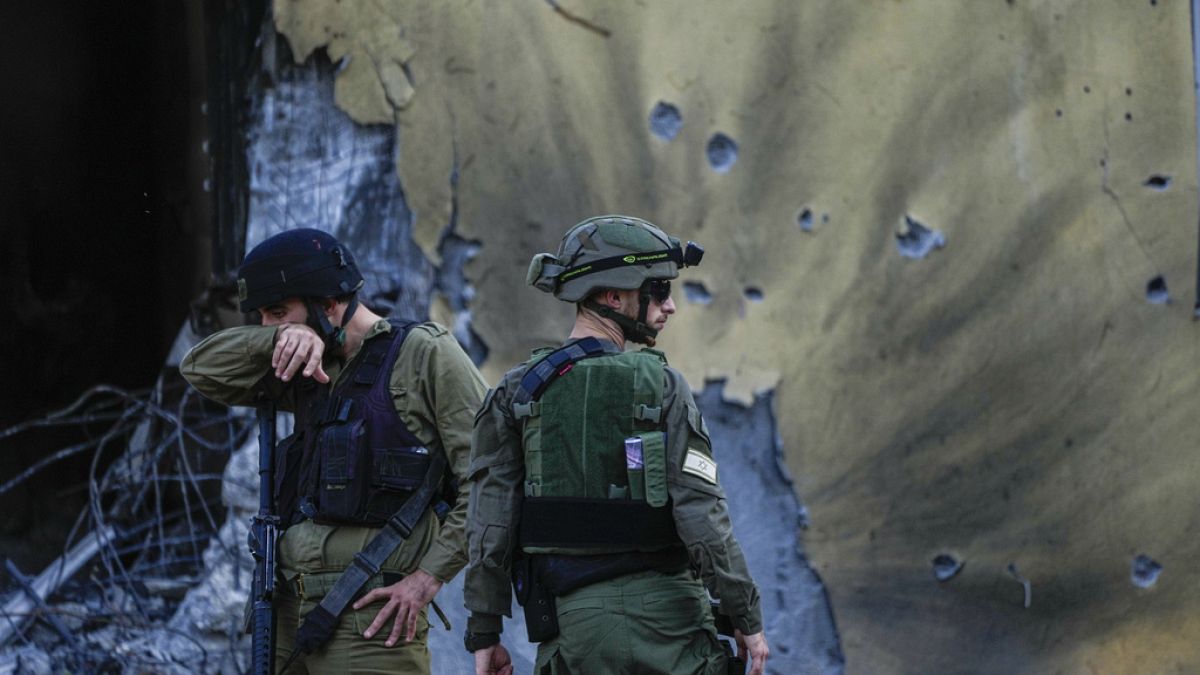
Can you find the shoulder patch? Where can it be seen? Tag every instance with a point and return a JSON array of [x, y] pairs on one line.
[[700, 465]]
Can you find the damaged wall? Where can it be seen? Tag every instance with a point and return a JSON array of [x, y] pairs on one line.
[[1003, 384]]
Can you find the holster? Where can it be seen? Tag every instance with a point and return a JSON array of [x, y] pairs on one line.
[[541, 611]]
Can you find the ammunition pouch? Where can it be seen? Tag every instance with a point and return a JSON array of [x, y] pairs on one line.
[[357, 483]]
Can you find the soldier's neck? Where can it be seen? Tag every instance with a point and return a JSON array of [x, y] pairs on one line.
[[361, 322], [591, 324]]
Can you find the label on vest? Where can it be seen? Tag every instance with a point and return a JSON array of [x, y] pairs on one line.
[[697, 464]]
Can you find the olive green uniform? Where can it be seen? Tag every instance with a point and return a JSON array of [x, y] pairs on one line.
[[436, 391], [641, 622]]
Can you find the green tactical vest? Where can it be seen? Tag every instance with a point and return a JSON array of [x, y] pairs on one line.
[[582, 494]]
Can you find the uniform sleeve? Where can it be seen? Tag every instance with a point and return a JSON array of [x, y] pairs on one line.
[[497, 480], [701, 514], [228, 365], [437, 391]]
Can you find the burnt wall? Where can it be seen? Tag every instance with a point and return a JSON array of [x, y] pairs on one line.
[[102, 195]]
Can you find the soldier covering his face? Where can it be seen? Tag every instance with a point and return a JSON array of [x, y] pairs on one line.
[[594, 487], [378, 404]]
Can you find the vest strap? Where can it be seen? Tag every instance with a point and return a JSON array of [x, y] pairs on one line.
[[578, 522], [556, 363]]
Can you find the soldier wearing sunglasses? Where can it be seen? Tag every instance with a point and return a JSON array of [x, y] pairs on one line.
[[594, 488]]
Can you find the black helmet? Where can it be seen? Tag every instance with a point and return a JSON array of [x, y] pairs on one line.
[[301, 263]]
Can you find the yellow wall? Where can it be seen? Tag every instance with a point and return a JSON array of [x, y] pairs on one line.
[[1011, 398]]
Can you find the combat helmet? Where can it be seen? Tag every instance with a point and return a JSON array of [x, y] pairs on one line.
[[303, 263], [613, 251]]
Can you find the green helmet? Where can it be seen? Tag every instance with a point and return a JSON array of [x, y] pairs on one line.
[[613, 251]]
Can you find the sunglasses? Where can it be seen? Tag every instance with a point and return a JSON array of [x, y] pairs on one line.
[[659, 289]]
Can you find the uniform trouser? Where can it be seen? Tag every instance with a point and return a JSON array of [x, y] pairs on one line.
[[646, 622], [319, 554], [347, 651]]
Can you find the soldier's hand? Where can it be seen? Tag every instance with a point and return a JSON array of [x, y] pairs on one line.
[[296, 346], [405, 598], [493, 660], [754, 646]]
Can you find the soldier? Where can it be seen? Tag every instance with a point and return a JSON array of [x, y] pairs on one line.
[[594, 485], [377, 403]]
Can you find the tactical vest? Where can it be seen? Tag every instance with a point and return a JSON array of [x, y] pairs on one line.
[[586, 410], [352, 460]]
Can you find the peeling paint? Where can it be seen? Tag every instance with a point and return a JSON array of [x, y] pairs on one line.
[[312, 166], [749, 454]]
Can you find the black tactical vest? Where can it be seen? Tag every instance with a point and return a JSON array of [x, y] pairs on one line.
[[351, 460]]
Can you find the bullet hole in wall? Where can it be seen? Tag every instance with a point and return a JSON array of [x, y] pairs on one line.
[[1087, 89], [754, 294], [1145, 571], [665, 120], [1156, 291], [696, 293], [1158, 182], [1128, 91], [805, 219], [946, 567], [722, 152], [1128, 117], [1058, 113], [917, 240]]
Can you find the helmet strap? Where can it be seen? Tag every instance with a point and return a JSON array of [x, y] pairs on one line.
[[330, 335], [633, 330]]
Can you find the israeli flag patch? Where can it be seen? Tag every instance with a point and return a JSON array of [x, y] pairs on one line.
[[700, 465]]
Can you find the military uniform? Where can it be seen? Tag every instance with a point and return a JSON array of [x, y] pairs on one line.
[[653, 620], [435, 390]]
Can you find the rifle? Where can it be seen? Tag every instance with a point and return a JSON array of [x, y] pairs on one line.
[[264, 530]]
